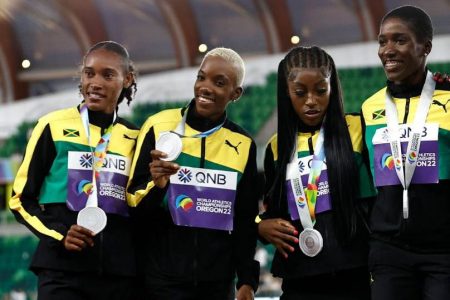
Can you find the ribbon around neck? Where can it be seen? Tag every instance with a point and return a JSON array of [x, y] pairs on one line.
[[98, 153], [405, 171], [306, 198]]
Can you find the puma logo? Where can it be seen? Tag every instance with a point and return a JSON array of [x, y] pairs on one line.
[[444, 106], [228, 143], [128, 138]]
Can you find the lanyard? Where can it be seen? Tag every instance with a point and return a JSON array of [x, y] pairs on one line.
[[98, 154], [405, 173], [306, 200], [180, 130]]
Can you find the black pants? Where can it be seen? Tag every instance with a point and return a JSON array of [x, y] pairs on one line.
[[58, 285], [399, 274], [160, 289], [351, 284]]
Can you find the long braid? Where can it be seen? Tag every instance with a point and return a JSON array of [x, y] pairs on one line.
[[338, 148]]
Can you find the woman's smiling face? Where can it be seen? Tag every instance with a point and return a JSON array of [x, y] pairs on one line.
[[215, 87]]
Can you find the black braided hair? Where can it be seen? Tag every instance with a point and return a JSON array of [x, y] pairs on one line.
[[341, 166], [128, 66]]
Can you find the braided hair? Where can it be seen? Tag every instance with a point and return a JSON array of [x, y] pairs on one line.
[[128, 67], [340, 160]]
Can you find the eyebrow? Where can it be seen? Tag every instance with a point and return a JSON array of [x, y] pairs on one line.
[[395, 35]]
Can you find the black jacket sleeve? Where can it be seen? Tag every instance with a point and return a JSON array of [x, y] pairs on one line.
[[245, 234], [24, 203]]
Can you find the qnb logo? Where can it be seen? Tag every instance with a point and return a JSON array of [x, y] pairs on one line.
[[86, 160], [209, 178], [387, 161], [184, 202], [301, 166], [185, 175]]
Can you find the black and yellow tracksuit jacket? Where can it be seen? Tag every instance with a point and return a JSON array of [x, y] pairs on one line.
[[186, 254], [40, 193], [427, 230], [334, 256]]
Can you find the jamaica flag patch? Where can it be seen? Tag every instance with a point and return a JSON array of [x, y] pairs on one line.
[[378, 114], [71, 133]]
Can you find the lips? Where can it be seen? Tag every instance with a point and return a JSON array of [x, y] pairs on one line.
[[95, 96], [391, 64], [312, 112], [205, 100]]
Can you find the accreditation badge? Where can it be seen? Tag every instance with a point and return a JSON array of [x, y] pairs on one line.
[[323, 193], [111, 184], [202, 198], [427, 168]]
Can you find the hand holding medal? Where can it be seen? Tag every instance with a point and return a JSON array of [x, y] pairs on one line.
[[169, 143]]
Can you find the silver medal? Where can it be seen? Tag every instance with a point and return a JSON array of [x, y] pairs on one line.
[[310, 242], [92, 218], [169, 143]]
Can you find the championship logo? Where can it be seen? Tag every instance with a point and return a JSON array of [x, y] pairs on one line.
[[412, 157], [301, 202], [387, 161], [184, 202], [84, 186]]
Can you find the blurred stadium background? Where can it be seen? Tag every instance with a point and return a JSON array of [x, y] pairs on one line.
[[43, 42]]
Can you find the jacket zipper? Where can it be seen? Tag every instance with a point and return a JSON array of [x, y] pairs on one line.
[[202, 165], [100, 255], [405, 117], [310, 144]]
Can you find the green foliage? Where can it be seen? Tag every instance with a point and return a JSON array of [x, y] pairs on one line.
[[142, 111], [359, 84], [18, 141], [15, 256]]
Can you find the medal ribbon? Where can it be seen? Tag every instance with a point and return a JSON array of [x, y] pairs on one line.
[[98, 154], [180, 130], [306, 199], [406, 173]]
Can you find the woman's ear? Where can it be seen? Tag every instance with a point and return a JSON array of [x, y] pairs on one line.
[[427, 47], [237, 93], [128, 80]]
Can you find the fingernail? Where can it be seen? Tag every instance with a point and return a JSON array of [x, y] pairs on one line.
[[295, 232], [296, 240]]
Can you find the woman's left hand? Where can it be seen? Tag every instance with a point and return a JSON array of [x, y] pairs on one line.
[[245, 292]]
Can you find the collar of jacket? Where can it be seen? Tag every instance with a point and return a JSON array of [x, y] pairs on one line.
[[198, 122]]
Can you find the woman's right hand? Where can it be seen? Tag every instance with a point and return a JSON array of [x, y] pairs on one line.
[[161, 170], [78, 238], [280, 233]]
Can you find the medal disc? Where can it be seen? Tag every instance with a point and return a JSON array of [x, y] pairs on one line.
[[169, 143], [92, 218], [310, 242]]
